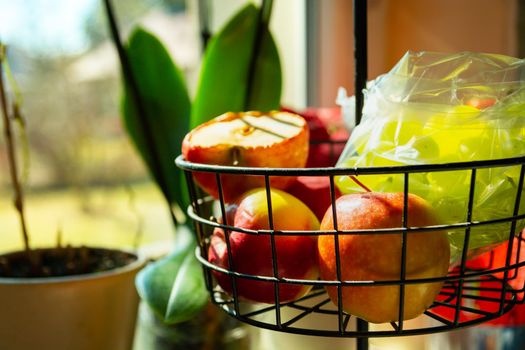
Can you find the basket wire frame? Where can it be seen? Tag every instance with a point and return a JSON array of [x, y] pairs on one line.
[[463, 287]]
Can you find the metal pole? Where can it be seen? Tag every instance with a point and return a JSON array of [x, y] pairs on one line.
[[521, 28], [360, 55], [361, 72]]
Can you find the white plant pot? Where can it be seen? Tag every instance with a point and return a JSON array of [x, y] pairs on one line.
[[91, 311]]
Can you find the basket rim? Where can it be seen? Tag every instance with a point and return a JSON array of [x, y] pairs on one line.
[[334, 171]]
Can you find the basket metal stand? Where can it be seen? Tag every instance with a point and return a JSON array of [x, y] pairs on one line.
[[471, 294], [361, 75]]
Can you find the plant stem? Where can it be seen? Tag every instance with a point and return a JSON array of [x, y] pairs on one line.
[[204, 23], [262, 25], [130, 81], [11, 154], [359, 183]]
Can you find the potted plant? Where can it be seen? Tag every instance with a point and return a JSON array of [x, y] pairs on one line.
[[61, 297], [158, 112]]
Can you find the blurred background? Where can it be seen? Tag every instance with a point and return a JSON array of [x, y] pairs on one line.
[[84, 179], [83, 176]]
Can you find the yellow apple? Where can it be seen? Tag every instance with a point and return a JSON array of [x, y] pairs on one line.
[[252, 254]]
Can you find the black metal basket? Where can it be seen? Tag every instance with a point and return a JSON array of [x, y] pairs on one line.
[[469, 295]]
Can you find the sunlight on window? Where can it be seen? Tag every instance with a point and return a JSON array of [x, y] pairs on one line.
[[85, 178]]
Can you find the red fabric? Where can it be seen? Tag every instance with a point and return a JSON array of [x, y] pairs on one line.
[[516, 316], [494, 259]]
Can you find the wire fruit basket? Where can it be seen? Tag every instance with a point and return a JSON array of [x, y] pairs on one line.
[[473, 291]]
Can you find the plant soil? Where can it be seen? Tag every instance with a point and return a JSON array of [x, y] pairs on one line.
[[62, 261]]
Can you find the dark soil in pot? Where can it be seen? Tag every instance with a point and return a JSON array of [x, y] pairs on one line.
[[62, 261]]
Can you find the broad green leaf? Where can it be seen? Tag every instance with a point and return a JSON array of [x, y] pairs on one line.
[[174, 274], [223, 84], [167, 111], [266, 90], [189, 293]]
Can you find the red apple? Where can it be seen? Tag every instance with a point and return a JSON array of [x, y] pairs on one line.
[[328, 135], [314, 191], [377, 257], [251, 139], [252, 254], [481, 102]]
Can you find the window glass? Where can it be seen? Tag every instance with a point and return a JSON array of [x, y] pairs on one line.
[[85, 178]]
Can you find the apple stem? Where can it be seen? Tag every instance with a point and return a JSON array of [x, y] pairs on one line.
[[359, 183], [236, 156]]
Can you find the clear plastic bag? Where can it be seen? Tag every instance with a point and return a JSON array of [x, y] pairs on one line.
[[434, 108]]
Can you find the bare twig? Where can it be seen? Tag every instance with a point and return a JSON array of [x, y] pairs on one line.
[[11, 154], [139, 232], [59, 236], [17, 116]]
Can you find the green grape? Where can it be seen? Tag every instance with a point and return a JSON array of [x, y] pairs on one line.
[[515, 148], [475, 148], [491, 144], [451, 126], [418, 184], [494, 197], [449, 194], [497, 195], [510, 143], [419, 150], [381, 183], [451, 180], [450, 140], [457, 133], [399, 132], [512, 173], [427, 148], [497, 142], [451, 208], [517, 133], [451, 116], [481, 240]]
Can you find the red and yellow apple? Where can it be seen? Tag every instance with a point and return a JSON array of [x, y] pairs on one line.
[[250, 139], [252, 253], [377, 257]]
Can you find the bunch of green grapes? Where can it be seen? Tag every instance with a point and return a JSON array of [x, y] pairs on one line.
[[456, 134]]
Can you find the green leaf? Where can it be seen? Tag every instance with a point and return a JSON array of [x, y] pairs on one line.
[[174, 280], [225, 70], [167, 110], [189, 293]]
